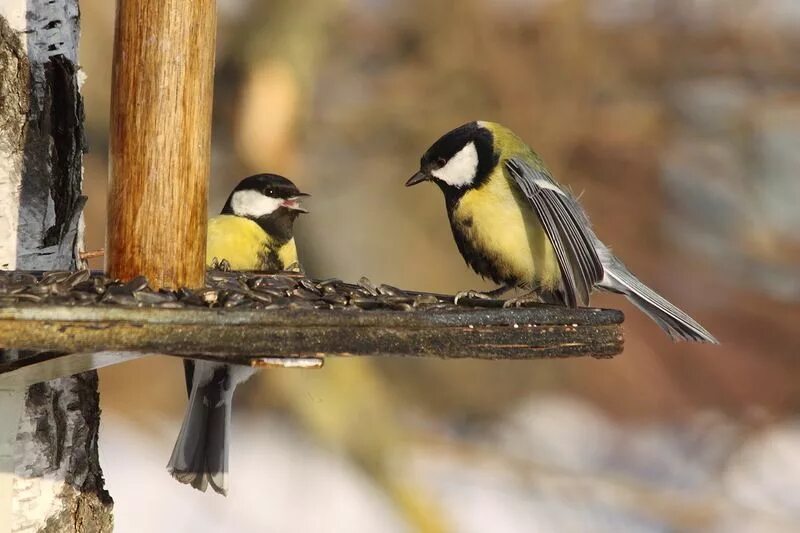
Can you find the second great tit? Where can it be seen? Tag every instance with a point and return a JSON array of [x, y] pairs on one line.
[[254, 232], [514, 224]]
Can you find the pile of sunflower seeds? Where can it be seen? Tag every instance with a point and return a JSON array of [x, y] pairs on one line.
[[240, 290]]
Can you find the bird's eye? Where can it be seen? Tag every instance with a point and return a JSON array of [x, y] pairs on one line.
[[268, 192], [440, 162]]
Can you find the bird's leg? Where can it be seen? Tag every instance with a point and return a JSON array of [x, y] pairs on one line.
[[522, 301], [488, 295]]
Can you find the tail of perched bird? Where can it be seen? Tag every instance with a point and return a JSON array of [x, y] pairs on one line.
[[676, 323], [200, 456]]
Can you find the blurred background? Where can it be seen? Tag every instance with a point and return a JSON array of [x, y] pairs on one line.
[[679, 123]]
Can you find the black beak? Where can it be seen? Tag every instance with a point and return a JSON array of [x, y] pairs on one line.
[[419, 177]]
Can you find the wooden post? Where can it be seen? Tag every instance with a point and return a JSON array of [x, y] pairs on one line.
[[160, 140]]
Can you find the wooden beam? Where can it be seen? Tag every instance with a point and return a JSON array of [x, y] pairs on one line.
[[284, 319], [247, 337], [160, 140]]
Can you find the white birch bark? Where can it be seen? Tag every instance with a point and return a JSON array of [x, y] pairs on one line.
[[50, 479]]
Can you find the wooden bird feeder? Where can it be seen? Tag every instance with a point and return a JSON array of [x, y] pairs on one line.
[[157, 204], [65, 323], [65, 319]]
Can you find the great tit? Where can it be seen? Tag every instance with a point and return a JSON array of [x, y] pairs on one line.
[[514, 224], [254, 232]]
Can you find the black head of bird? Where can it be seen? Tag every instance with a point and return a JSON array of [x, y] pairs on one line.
[[461, 159], [270, 200], [263, 195]]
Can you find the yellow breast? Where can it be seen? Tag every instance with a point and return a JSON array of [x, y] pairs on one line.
[[506, 230], [239, 240], [287, 255]]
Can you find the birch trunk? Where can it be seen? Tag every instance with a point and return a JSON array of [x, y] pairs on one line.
[[50, 478]]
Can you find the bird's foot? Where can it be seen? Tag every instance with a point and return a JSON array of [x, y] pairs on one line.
[[522, 301], [471, 295], [294, 267], [478, 295], [222, 265]]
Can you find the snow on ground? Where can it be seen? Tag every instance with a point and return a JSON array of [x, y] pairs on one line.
[[556, 464]]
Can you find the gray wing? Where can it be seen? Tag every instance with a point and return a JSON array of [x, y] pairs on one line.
[[567, 227]]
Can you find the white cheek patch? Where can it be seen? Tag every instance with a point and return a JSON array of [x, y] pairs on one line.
[[253, 204], [461, 169]]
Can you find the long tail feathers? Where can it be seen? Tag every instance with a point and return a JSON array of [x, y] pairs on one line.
[[218, 435], [200, 456], [676, 323]]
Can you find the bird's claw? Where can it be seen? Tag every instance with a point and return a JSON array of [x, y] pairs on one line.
[[222, 265], [472, 295], [521, 301], [294, 267]]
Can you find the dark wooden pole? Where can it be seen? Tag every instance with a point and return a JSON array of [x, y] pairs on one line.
[[160, 140]]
